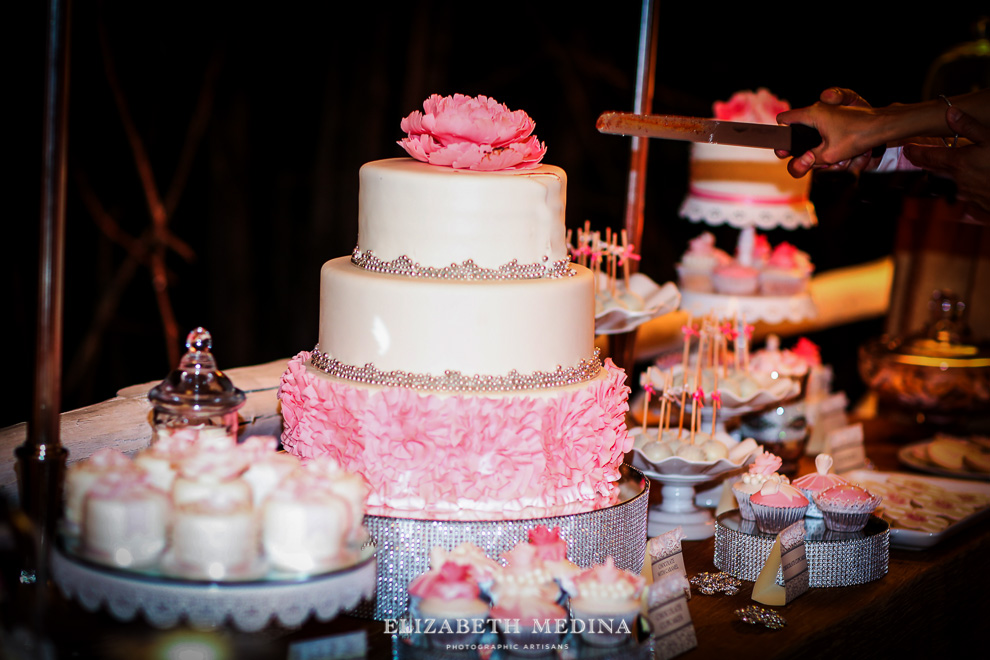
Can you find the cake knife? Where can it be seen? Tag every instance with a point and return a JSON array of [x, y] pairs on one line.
[[795, 138]]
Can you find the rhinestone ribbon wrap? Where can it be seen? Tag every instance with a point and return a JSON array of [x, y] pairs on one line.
[[835, 559], [455, 381], [403, 544], [467, 270]]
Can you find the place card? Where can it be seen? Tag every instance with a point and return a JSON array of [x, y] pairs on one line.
[[825, 416], [670, 618], [787, 557], [845, 446], [665, 556], [727, 501]]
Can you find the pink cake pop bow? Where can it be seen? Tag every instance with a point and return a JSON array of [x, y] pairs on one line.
[[649, 389], [716, 399], [689, 331], [699, 395], [627, 254]]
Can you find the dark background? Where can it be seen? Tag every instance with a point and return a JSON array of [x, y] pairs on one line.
[[299, 95]]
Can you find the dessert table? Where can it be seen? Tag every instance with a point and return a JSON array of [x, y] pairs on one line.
[[932, 603]]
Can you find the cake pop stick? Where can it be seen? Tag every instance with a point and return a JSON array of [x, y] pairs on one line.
[[663, 411], [687, 330], [648, 391], [716, 404]]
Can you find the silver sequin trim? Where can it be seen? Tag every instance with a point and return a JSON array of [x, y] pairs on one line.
[[455, 381], [467, 270]]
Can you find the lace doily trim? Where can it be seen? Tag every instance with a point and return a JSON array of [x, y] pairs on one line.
[[466, 270], [455, 381]]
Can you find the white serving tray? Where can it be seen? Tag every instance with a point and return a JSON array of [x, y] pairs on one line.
[[912, 539]]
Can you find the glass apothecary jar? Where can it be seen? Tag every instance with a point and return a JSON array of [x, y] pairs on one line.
[[196, 402]]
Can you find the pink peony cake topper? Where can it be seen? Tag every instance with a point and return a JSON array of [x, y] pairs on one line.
[[471, 132], [760, 107]]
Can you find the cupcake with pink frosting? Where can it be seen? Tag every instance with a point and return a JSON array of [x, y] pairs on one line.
[[525, 573], [846, 507], [815, 482], [483, 568], [451, 597], [777, 505], [699, 262], [736, 279], [552, 550], [787, 271], [607, 601], [764, 467]]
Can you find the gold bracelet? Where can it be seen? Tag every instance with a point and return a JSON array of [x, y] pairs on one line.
[[955, 140]]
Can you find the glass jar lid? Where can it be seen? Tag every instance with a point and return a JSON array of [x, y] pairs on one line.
[[197, 385]]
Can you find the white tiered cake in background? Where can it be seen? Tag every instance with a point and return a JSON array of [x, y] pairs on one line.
[[749, 189]]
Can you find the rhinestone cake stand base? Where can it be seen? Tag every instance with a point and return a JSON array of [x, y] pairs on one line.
[[403, 544], [835, 559]]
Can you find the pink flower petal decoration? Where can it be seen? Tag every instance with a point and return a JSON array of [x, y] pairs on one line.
[[476, 133]]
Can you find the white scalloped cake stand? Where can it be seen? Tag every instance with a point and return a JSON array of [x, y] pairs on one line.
[[250, 606], [770, 309], [799, 215]]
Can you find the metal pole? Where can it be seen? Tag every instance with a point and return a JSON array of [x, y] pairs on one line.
[[42, 458], [622, 346]]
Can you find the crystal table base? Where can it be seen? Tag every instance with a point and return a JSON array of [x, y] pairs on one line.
[[403, 544], [835, 559]]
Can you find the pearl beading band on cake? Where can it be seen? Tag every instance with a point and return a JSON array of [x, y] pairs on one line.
[[455, 381], [467, 270]]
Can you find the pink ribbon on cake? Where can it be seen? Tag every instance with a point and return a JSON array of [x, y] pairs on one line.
[[748, 199]]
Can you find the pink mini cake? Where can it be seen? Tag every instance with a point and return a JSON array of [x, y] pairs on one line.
[[305, 526], [736, 279], [787, 272], [81, 475], [212, 474], [777, 505], [765, 466], [846, 507], [214, 538], [267, 468], [608, 600], [125, 520], [451, 597], [816, 482], [699, 262]]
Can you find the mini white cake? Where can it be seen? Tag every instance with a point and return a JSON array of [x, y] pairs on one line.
[[305, 527], [214, 539], [125, 521], [81, 475]]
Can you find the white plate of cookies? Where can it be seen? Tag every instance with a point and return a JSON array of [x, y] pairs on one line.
[[924, 510], [950, 456]]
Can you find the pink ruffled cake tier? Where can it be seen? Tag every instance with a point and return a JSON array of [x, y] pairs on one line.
[[444, 454]]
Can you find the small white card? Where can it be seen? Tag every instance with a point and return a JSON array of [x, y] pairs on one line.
[[670, 618], [665, 556], [787, 557], [845, 446], [825, 416]]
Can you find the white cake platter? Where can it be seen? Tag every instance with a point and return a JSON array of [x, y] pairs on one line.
[[770, 309], [678, 479], [797, 215], [249, 605], [650, 301]]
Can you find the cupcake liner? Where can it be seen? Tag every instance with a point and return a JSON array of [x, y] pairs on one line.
[[773, 519], [848, 517], [475, 627], [745, 509]]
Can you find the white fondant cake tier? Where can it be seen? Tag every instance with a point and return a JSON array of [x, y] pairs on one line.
[[438, 216], [453, 453], [429, 326]]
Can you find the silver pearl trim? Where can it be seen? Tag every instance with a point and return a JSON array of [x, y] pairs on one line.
[[466, 270]]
